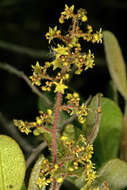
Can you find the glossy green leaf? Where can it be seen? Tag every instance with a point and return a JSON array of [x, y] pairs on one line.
[[12, 164], [92, 124], [114, 172], [115, 62], [35, 174], [108, 140]]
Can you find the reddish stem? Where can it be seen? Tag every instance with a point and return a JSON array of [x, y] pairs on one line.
[[54, 185], [74, 26], [54, 130]]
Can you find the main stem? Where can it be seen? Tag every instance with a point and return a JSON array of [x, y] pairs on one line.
[[54, 130]]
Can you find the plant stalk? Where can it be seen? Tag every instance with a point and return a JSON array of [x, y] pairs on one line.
[[54, 185], [54, 130]]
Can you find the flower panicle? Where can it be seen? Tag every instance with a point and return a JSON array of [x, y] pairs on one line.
[[75, 157], [68, 54]]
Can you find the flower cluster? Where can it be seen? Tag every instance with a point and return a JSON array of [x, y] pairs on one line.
[[77, 158], [68, 53], [74, 105], [43, 123]]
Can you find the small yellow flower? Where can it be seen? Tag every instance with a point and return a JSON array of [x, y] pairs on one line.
[[59, 180], [39, 120], [39, 182], [61, 19], [60, 87], [56, 63], [49, 111], [44, 88], [37, 68], [75, 94], [65, 64], [82, 148], [22, 126], [90, 29], [63, 138], [56, 166], [81, 120], [52, 33], [49, 180], [68, 11], [89, 60], [84, 18], [97, 37], [66, 76], [61, 50], [71, 169]]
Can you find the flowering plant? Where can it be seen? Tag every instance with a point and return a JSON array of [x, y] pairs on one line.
[[70, 155]]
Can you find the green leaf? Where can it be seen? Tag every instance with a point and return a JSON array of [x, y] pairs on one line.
[[12, 164], [114, 172], [42, 105], [35, 174], [76, 182], [108, 140], [92, 124], [23, 187], [115, 62], [112, 92]]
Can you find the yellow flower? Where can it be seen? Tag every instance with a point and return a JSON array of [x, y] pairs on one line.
[[52, 33], [56, 166], [71, 169], [89, 60], [49, 111], [84, 18], [63, 138], [39, 120], [75, 94], [61, 19], [68, 11], [37, 68], [61, 50], [60, 87], [56, 63], [97, 37], [66, 76], [59, 180], [37, 74], [22, 126], [40, 182]]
